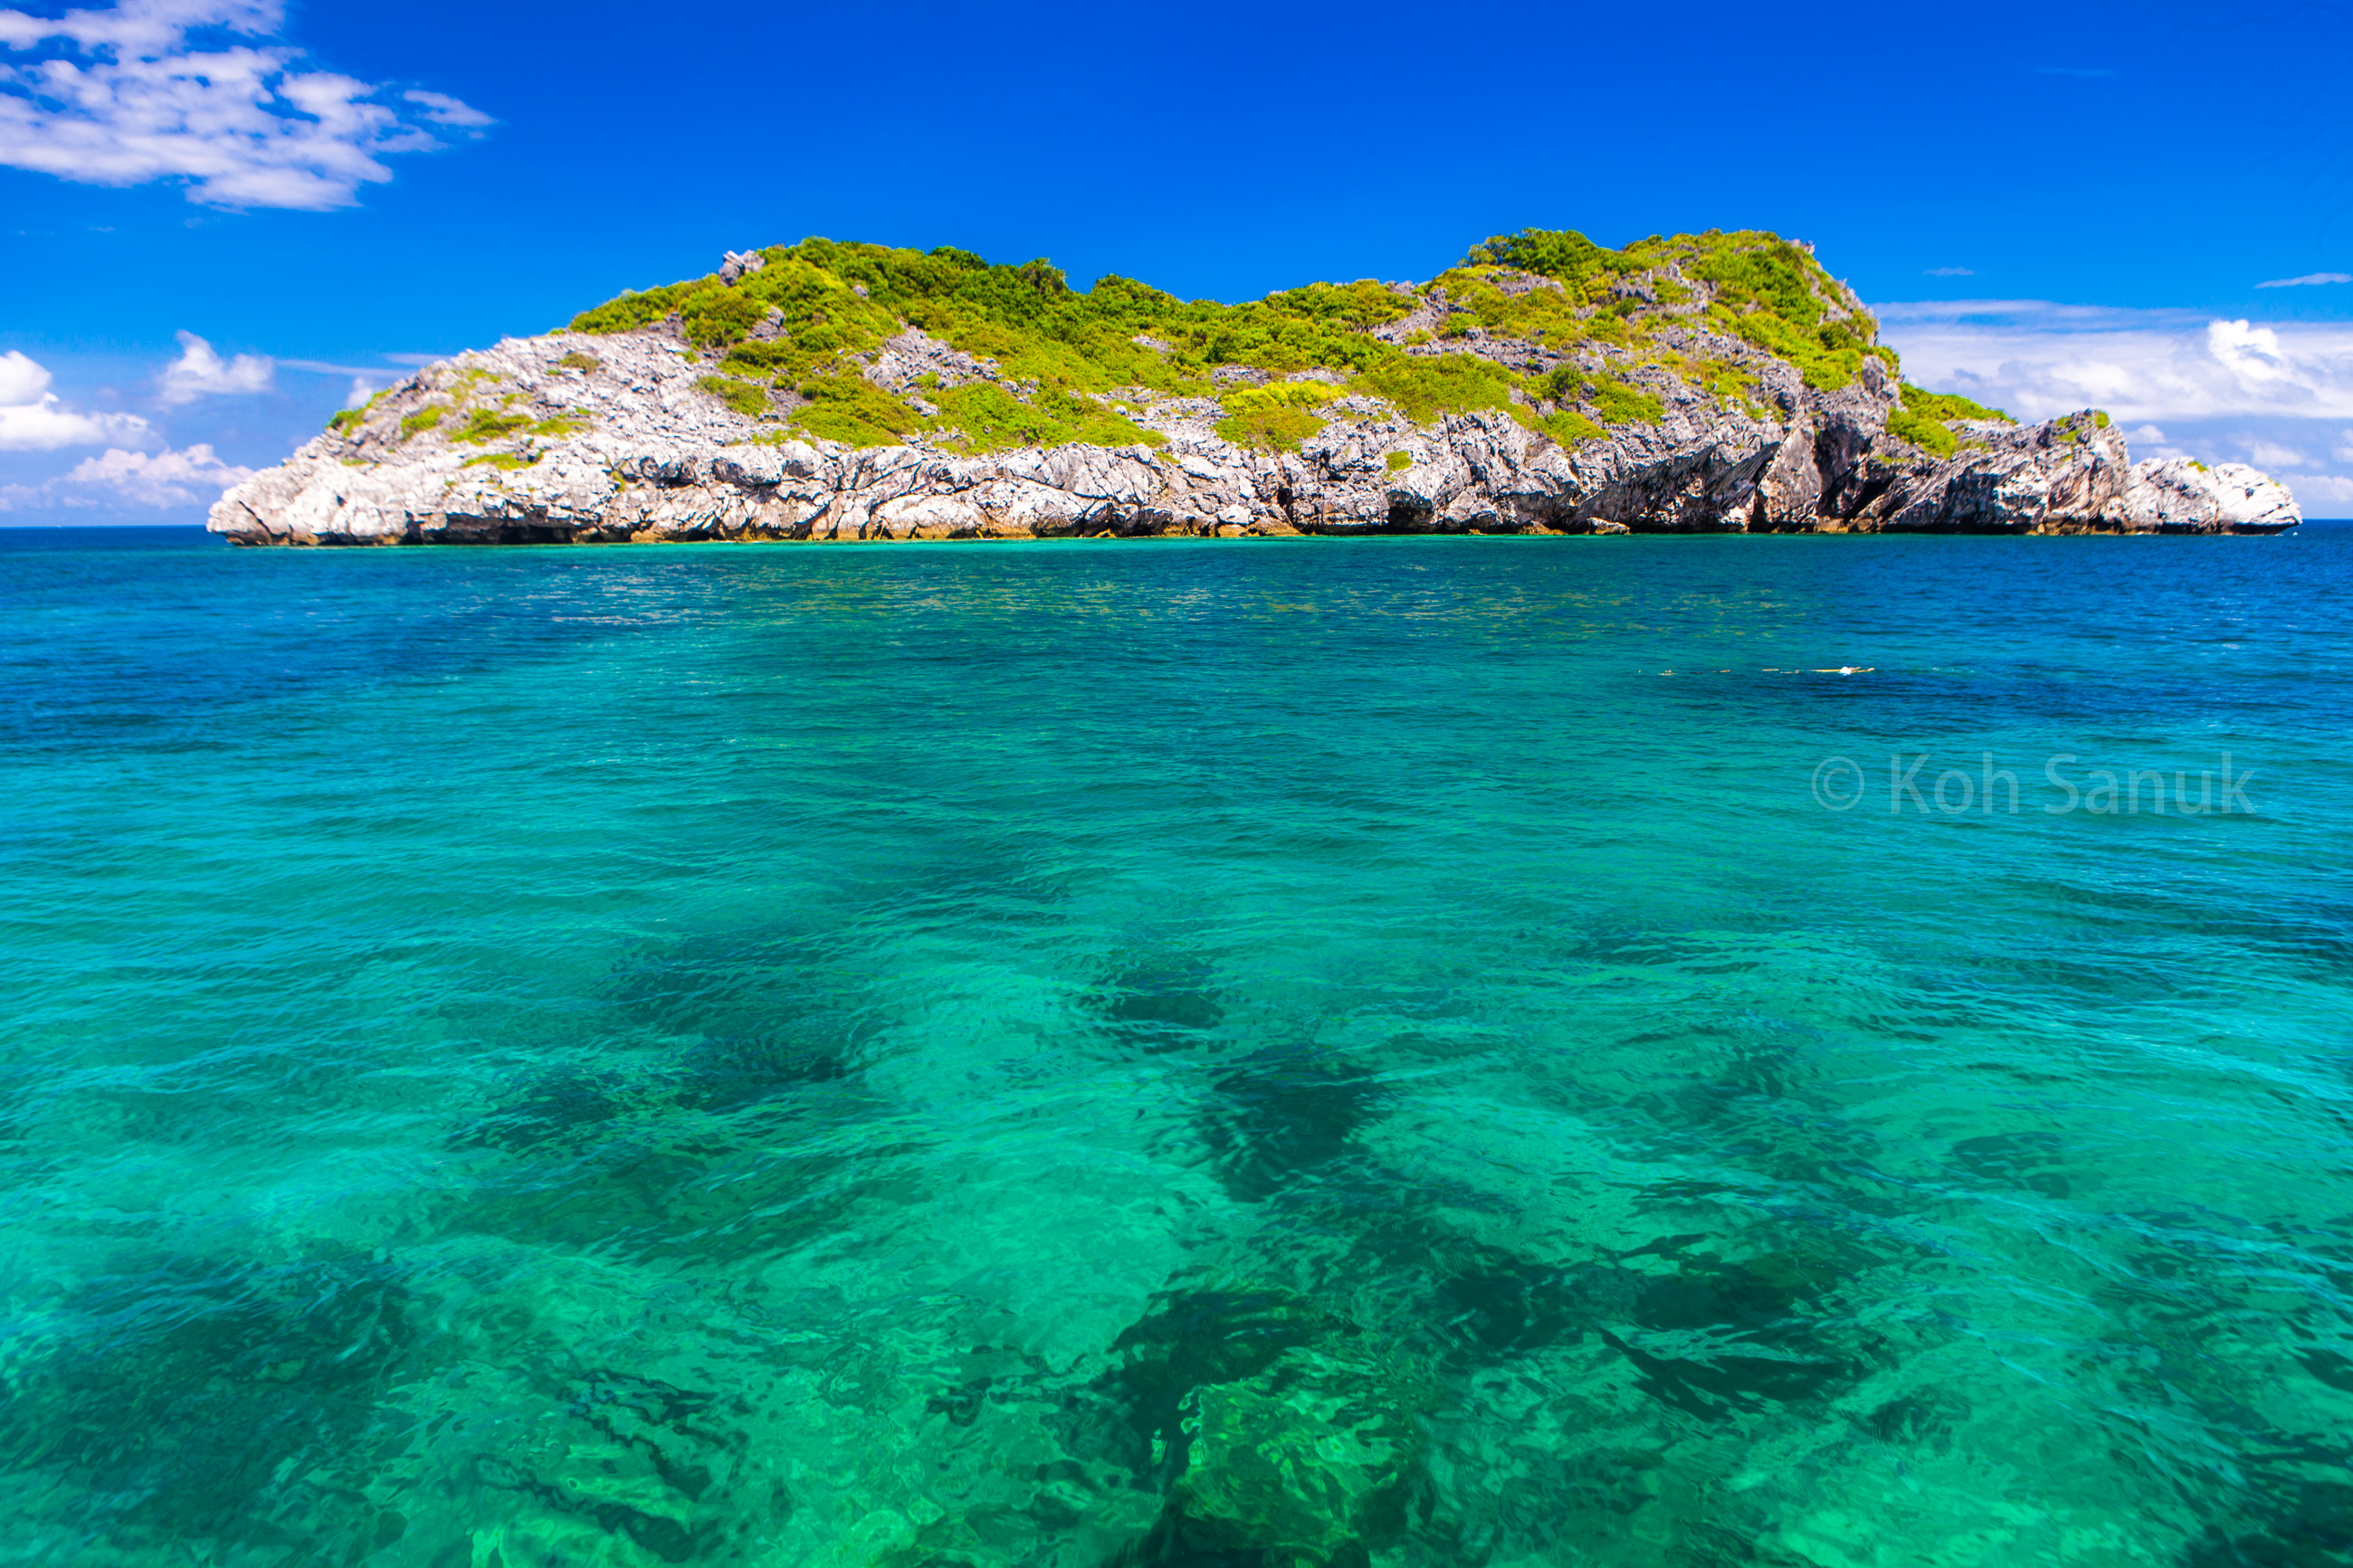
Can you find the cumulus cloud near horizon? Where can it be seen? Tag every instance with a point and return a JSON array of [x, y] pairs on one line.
[[2181, 384], [158, 479], [118, 478], [135, 100], [2038, 359], [34, 419]]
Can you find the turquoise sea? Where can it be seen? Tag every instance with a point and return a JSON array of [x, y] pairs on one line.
[[1256, 1054]]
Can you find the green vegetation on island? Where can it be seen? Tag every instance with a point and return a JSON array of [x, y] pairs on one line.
[[792, 336], [1922, 419], [1276, 417]]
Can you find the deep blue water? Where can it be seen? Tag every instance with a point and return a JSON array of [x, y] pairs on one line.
[[1245, 1053]]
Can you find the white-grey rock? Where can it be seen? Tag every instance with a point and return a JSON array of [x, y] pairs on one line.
[[605, 439], [2176, 495]]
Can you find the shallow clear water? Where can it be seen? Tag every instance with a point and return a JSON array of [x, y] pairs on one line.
[[1249, 1053]]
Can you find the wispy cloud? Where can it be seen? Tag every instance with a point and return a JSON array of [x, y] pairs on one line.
[[131, 100], [367, 380], [34, 419], [443, 110], [2308, 280], [199, 372], [2038, 315], [1948, 272]]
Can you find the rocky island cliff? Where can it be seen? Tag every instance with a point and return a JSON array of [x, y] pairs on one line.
[[1703, 382]]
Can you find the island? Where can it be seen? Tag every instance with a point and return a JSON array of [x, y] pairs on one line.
[[1695, 384]]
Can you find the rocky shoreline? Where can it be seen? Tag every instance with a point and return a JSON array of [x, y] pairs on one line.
[[628, 435]]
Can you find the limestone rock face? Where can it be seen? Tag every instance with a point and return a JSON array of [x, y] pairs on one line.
[[2175, 495], [580, 439], [2064, 476]]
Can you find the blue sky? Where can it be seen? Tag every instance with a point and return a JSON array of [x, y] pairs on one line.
[[217, 217]]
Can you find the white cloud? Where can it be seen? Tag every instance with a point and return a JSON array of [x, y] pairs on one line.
[[2038, 359], [158, 481], [2308, 280], [201, 373], [33, 419], [443, 110], [1948, 272], [149, 25], [23, 380], [2335, 488], [2179, 383], [245, 126], [46, 425]]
